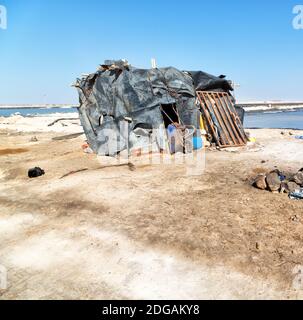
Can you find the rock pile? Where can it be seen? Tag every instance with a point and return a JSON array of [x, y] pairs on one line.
[[276, 181]]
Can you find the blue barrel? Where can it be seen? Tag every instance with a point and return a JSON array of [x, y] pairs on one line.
[[197, 143]]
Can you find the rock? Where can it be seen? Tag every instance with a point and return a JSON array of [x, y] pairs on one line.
[[273, 181], [298, 178], [260, 182], [33, 139], [35, 172], [290, 186], [294, 219], [284, 188]]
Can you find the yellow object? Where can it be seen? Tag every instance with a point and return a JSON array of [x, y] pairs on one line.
[[252, 140], [202, 127]]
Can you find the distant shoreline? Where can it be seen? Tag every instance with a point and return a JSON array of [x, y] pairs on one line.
[[270, 106], [249, 108], [272, 110], [37, 106]]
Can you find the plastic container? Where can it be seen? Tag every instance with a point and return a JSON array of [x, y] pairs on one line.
[[175, 144], [197, 143]]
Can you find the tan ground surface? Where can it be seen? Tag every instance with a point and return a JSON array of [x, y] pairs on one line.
[[152, 232]]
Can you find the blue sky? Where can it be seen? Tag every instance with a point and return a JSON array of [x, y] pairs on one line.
[[51, 42]]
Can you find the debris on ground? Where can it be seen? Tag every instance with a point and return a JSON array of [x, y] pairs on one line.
[[62, 119], [130, 166], [73, 172], [87, 149], [33, 139], [296, 195], [68, 136], [275, 181], [35, 172], [252, 139]]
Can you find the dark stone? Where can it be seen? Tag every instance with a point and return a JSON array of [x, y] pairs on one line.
[[260, 182], [284, 188], [292, 186], [35, 172], [298, 178], [273, 181], [34, 139]]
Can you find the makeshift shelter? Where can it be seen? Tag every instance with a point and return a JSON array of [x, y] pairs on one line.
[[126, 108]]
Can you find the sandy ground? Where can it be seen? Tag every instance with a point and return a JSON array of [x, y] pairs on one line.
[[146, 231], [17, 123]]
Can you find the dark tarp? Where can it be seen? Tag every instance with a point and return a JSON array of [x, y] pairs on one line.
[[207, 82], [119, 97]]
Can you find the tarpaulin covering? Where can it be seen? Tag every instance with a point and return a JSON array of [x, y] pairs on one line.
[[118, 99], [207, 82]]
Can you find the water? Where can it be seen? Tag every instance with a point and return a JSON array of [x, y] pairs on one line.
[[31, 112], [271, 119], [275, 119]]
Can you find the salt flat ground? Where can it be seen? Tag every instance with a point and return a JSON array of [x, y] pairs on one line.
[[146, 231]]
